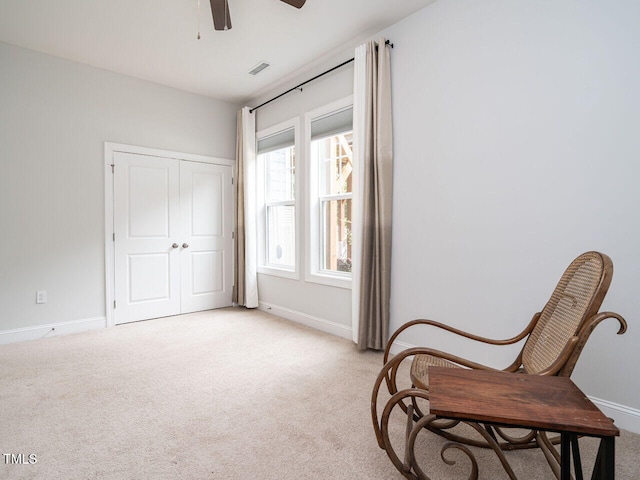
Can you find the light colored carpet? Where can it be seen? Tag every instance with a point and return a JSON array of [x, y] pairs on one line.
[[227, 394]]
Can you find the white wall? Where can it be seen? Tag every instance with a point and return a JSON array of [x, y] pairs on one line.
[[304, 301], [516, 149], [55, 116]]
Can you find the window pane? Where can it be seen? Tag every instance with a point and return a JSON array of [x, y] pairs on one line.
[[334, 155], [281, 235], [280, 170], [336, 235]]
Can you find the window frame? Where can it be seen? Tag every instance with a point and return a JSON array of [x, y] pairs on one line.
[[263, 267], [313, 218]]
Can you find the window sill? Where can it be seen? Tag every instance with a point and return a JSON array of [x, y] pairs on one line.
[[330, 280], [279, 272]]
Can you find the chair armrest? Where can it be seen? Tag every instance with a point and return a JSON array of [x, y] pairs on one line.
[[444, 355], [566, 361], [461, 333], [390, 368], [583, 335]]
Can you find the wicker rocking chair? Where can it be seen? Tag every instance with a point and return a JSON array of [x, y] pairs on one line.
[[555, 337]]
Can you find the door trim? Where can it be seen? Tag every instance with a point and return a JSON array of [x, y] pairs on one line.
[[110, 149]]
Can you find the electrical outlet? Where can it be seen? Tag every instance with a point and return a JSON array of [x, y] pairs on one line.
[[41, 296]]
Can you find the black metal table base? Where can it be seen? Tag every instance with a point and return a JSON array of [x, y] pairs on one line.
[[604, 468]]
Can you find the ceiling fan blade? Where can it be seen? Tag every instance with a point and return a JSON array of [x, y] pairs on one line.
[[221, 16], [295, 3]]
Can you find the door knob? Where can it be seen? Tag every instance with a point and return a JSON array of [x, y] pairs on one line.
[[175, 245], [185, 245]]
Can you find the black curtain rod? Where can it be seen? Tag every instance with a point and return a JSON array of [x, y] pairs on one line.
[[299, 87]]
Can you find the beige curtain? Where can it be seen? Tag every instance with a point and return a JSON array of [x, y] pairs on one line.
[[245, 281], [373, 130]]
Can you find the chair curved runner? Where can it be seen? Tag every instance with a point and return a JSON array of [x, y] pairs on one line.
[[555, 337]]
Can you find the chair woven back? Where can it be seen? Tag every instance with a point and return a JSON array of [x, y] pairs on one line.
[[577, 297]]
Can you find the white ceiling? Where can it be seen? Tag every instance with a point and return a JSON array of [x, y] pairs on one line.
[[156, 40]]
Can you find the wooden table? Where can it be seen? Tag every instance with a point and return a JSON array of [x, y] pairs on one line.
[[526, 401]]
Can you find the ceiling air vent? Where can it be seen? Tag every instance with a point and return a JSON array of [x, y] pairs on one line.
[[258, 68]]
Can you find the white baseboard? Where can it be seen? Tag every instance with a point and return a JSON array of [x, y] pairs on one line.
[[318, 323], [51, 330], [625, 418]]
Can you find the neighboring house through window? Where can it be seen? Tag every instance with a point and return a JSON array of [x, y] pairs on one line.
[[330, 142]]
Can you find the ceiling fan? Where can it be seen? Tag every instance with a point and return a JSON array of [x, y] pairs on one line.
[[222, 19]]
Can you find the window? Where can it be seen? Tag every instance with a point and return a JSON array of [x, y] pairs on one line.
[[330, 136], [334, 158], [277, 198]]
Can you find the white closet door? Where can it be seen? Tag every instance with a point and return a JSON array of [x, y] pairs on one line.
[[147, 226], [206, 244]]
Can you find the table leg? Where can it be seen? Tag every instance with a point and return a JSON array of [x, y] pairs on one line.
[[577, 462], [565, 456], [604, 468]]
